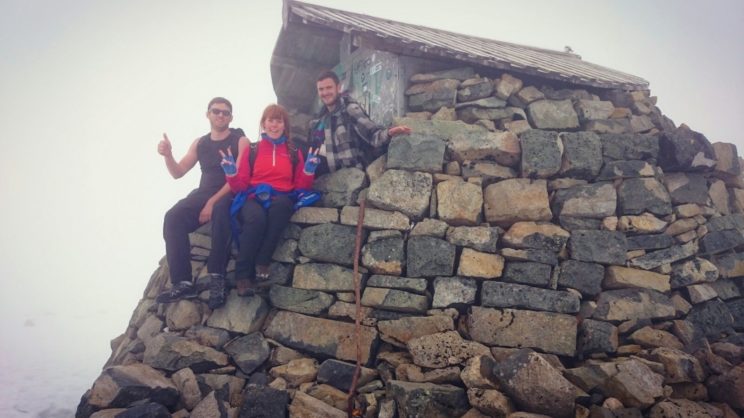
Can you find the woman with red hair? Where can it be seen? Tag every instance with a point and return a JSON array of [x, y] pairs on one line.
[[264, 184]]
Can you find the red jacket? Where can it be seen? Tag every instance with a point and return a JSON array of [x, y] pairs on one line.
[[273, 167]]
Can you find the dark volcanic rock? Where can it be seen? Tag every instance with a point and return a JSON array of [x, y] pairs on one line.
[[311, 302], [535, 385], [665, 256], [584, 277], [264, 402], [332, 243], [541, 153], [684, 149], [429, 256], [605, 247], [626, 169], [597, 337], [582, 155], [712, 318], [123, 386], [427, 400], [597, 200], [535, 274], [646, 194], [340, 374], [171, 352], [687, 188], [416, 152], [508, 295], [650, 242], [629, 147], [249, 352]]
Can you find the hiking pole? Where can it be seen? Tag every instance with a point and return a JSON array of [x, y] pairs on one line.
[[357, 320]]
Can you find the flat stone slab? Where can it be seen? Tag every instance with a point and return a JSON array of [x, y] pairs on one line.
[[444, 349], [632, 304], [331, 243], [416, 152], [376, 218], [394, 300], [399, 331], [324, 277], [550, 332], [322, 337], [310, 302], [604, 247], [586, 201], [510, 295], [665, 256], [396, 282]]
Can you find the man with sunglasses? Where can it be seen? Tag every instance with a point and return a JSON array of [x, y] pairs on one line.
[[212, 195]]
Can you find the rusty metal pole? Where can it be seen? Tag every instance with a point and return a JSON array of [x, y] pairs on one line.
[[357, 322]]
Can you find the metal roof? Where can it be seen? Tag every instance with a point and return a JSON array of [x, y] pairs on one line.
[[506, 56]]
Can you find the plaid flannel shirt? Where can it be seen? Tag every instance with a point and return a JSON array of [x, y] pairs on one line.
[[343, 130]]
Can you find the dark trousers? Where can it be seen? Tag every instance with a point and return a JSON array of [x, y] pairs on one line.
[[221, 237], [260, 234], [180, 220]]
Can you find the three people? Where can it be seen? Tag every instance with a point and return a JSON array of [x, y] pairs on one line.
[[250, 199]]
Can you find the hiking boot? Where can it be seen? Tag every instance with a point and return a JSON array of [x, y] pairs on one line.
[[180, 290], [217, 293]]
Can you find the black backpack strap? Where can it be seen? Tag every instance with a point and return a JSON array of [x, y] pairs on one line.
[[253, 154]]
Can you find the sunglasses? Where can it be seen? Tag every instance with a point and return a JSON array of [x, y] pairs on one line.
[[216, 112]]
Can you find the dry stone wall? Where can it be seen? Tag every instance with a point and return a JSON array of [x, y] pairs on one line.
[[527, 251]]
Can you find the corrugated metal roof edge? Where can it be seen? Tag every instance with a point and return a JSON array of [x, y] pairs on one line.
[[641, 84]]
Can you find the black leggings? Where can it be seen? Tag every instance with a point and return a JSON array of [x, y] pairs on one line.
[[260, 233]]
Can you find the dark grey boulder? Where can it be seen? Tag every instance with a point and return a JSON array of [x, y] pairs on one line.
[[604, 247], [264, 402], [310, 302], [582, 155], [248, 352], [427, 400], [684, 149], [429, 256], [638, 195], [629, 147], [541, 153], [597, 337], [584, 277], [509, 295], [332, 243], [650, 242], [712, 318], [530, 273], [416, 152]]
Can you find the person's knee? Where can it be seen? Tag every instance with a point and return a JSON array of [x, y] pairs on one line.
[[253, 213]]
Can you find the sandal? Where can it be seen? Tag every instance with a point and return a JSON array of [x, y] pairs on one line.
[[262, 272], [245, 287]]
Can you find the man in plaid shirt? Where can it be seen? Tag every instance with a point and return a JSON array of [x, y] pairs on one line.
[[342, 128]]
